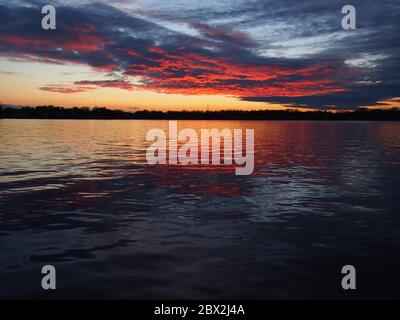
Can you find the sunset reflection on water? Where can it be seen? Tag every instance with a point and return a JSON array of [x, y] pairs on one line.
[[80, 195]]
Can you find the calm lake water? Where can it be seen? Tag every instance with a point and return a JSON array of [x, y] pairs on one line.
[[79, 195]]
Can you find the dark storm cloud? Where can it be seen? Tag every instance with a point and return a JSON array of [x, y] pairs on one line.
[[353, 98], [372, 50]]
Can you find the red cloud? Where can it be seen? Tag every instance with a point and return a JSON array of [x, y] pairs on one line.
[[120, 84], [85, 86], [189, 73], [65, 89], [223, 34], [76, 38], [192, 73]]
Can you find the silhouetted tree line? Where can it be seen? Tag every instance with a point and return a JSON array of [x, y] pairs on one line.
[[53, 112]]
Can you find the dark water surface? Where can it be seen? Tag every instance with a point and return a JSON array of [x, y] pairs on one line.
[[79, 195]]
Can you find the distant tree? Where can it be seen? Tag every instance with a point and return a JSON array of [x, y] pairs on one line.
[[54, 112]]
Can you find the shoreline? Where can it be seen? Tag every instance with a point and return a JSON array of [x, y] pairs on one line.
[[84, 113]]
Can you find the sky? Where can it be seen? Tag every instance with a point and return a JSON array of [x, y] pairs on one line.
[[197, 55]]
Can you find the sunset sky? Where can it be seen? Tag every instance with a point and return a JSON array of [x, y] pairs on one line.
[[181, 54]]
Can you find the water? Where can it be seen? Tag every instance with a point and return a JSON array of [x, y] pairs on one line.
[[79, 195]]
